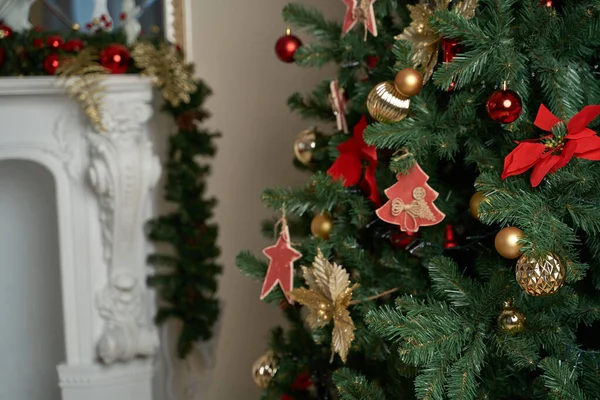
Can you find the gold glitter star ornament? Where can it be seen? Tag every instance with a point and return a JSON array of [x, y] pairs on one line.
[[327, 298]]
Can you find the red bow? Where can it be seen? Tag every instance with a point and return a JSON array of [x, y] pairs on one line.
[[349, 164], [555, 150]]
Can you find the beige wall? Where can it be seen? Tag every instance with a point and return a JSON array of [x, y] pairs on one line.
[[232, 45]]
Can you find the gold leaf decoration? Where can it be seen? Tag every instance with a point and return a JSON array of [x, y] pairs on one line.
[[327, 298], [165, 65], [424, 39], [82, 75]]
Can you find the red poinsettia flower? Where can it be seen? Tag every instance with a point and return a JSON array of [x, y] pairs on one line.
[[552, 152], [349, 164]]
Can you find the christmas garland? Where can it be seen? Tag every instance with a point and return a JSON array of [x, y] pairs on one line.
[[186, 273]]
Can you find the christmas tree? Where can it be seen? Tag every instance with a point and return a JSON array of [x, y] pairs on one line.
[[476, 274]]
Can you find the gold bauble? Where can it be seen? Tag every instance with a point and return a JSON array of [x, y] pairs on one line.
[[474, 204], [304, 145], [510, 319], [507, 242], [321, 226], [76, 27], [408, 82], [541, 276], [264, 369], [386, 105]]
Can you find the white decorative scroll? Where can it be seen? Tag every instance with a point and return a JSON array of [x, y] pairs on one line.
[[122, 172], [15, 13]]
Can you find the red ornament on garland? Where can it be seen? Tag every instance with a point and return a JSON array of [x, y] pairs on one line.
[[410, 203], [504, 106], [115, 58], [5, 31], [281, 265], [55, 42], [546, 3], [74, 45], [38, 42], [51, 63], [401, 240], [286, 47], [451, 47]]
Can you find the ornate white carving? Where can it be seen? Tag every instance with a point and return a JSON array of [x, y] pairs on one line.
[[15, 13], [123, 169]]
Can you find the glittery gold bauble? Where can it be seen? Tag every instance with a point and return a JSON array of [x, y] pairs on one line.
[[385, 104], [76, 27], [511, 320], [474, 204], [507, 242], [408, 82], [304, 145], [321, 226], [542, 276], [264, 369]]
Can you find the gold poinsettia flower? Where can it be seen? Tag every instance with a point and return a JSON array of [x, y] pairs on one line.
[[327, 298]]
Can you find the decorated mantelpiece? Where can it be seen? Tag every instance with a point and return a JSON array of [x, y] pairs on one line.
[[81, 104]]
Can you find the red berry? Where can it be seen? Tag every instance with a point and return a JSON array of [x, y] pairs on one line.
[[123, 16], [103, 17]]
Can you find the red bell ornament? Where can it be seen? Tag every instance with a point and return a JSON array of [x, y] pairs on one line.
[[115, 58], [286, 47], [51, 63], [504, 106]]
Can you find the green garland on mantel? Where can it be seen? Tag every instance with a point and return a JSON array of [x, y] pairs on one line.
[[186, 271]]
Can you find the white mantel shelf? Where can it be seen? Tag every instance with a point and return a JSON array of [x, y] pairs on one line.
[[104, 185]]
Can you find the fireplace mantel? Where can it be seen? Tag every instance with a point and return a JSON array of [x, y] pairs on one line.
[[104, 184]]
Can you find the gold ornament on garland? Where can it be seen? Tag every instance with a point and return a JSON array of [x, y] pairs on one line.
[[386, 105], [507, 242], [168, 71], [408, 82], [321, 226], [424, 39], [82, 75], [510, 319], [327, 298], [475, 202], [304, 145], [540, 276], [264, 369]]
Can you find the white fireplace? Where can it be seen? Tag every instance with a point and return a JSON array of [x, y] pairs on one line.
[[103, 185]]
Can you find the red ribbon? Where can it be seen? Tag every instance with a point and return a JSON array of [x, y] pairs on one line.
[[349, 164], [545, 158]]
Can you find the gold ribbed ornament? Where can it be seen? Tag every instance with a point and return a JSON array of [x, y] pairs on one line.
[[386, 105], [542, 276], [304, 145], [264, 369]]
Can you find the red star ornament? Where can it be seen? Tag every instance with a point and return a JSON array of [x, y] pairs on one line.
[[550, 153], [281, 265], [338, 103], [410, 204], [349, 164], [360, 11]]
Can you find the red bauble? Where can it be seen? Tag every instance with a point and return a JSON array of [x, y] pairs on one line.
[[451, 47], [73, 45], [55, 42], [450, 240], [401, 240], [546, 3], [5, 31], [504, 106], [51, 63], [286, 47], [115, 58], [372, 61], [38, 42]]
